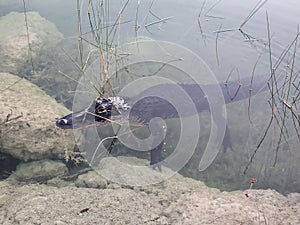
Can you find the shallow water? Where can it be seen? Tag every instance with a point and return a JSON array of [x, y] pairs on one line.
[[223, 52]]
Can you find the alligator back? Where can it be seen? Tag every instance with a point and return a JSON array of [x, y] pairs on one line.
[[172, 100]]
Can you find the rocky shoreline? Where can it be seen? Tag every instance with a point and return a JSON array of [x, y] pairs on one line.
[[178, 200]]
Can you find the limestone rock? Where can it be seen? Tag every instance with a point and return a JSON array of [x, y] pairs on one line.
[[91, 180], [14, 39], [39, 171], [27, 122], [131, 171], [249, 207], [178, 200]]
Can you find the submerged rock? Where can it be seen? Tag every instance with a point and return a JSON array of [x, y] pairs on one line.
[[39, 171], [53, 71], [91, 180], [39, 58], [15, 44], [27, 122]]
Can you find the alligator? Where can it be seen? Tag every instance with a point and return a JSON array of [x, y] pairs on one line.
[[160, 101]]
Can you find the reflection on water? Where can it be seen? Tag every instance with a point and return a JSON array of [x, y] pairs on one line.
[[193, 24]]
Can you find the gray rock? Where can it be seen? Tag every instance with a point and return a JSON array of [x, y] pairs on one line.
[[39, 171], [40, 65], [27, 122], [178, 200], [91, 180], [14, 42], [58, 182], [131, 171], [248, 207], [49, 66]]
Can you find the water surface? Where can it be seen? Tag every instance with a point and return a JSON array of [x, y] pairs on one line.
[[194, 25]]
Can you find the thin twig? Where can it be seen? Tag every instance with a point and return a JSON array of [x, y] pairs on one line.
[[272, 71], [14, 83], [286, 99], [27, 35], [217, 53], [98, 146], [137, 26], [199, 23], [258, 146], [272, 100], [211, 8], [158, 21], [256, 8], [79, 35], [251, 89], [227, 88], [118, 17]]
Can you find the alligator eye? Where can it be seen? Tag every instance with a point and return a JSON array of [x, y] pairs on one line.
[[101, 111]]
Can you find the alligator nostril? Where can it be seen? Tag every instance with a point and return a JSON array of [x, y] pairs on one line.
[[62, 122]]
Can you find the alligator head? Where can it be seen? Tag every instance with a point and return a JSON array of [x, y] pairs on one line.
[[99, 113]]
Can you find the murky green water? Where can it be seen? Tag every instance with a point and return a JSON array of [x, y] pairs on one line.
[[194, 25]]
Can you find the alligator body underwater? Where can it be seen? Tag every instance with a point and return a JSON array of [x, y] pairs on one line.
[[163, 101]]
